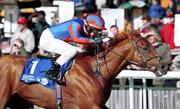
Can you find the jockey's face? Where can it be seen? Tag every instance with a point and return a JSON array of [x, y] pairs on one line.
[[93, 31]]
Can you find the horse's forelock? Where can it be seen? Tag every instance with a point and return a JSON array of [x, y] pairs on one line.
[[131, 34]]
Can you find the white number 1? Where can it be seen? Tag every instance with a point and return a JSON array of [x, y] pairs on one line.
[[34, 64]]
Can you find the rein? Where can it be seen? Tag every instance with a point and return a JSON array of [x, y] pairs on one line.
[[143, 61], [117, 54]]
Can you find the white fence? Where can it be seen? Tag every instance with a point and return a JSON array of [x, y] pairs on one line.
[[163, 99], [157, 98], [119, 99], [145, 97]]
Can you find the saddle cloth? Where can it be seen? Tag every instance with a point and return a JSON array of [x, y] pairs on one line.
[[35, 69]]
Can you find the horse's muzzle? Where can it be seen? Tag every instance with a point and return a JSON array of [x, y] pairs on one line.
[[161, 70]]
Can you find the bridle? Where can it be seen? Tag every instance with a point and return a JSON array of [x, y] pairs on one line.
[[143, 63]]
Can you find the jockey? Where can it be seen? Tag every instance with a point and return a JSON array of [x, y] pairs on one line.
[[80, 30]]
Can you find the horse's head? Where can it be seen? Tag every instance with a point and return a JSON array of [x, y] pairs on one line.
[[145, 55], [136, 50]]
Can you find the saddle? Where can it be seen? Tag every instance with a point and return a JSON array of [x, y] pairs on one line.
[[36, 71]]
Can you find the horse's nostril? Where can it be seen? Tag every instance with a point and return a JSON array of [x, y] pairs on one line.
[[163, 67]]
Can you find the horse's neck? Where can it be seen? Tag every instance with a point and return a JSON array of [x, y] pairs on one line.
[[113, 63], [109, 66]]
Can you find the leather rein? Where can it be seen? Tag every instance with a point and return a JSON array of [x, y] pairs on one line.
[[143, 63]]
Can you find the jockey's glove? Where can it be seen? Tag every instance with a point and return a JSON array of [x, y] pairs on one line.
[[97, 41]]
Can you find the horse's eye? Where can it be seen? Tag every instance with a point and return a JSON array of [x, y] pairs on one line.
[[145, 48]]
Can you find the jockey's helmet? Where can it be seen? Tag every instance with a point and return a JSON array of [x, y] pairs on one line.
[[96, 21], [22, 20]]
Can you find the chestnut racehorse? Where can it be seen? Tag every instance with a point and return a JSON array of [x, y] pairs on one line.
[[85, 88]]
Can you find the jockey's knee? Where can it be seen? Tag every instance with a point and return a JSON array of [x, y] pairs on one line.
[[70, 53], [73, 51]]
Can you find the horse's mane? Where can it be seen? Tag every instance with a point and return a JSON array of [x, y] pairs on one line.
[[127, 35], [124, 36]]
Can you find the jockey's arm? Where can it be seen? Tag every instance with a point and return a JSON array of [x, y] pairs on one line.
[[76, 36]]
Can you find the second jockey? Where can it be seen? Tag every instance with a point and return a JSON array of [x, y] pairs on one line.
[[80, 30]]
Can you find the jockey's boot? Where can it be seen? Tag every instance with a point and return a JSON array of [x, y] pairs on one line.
[[54, 71]]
